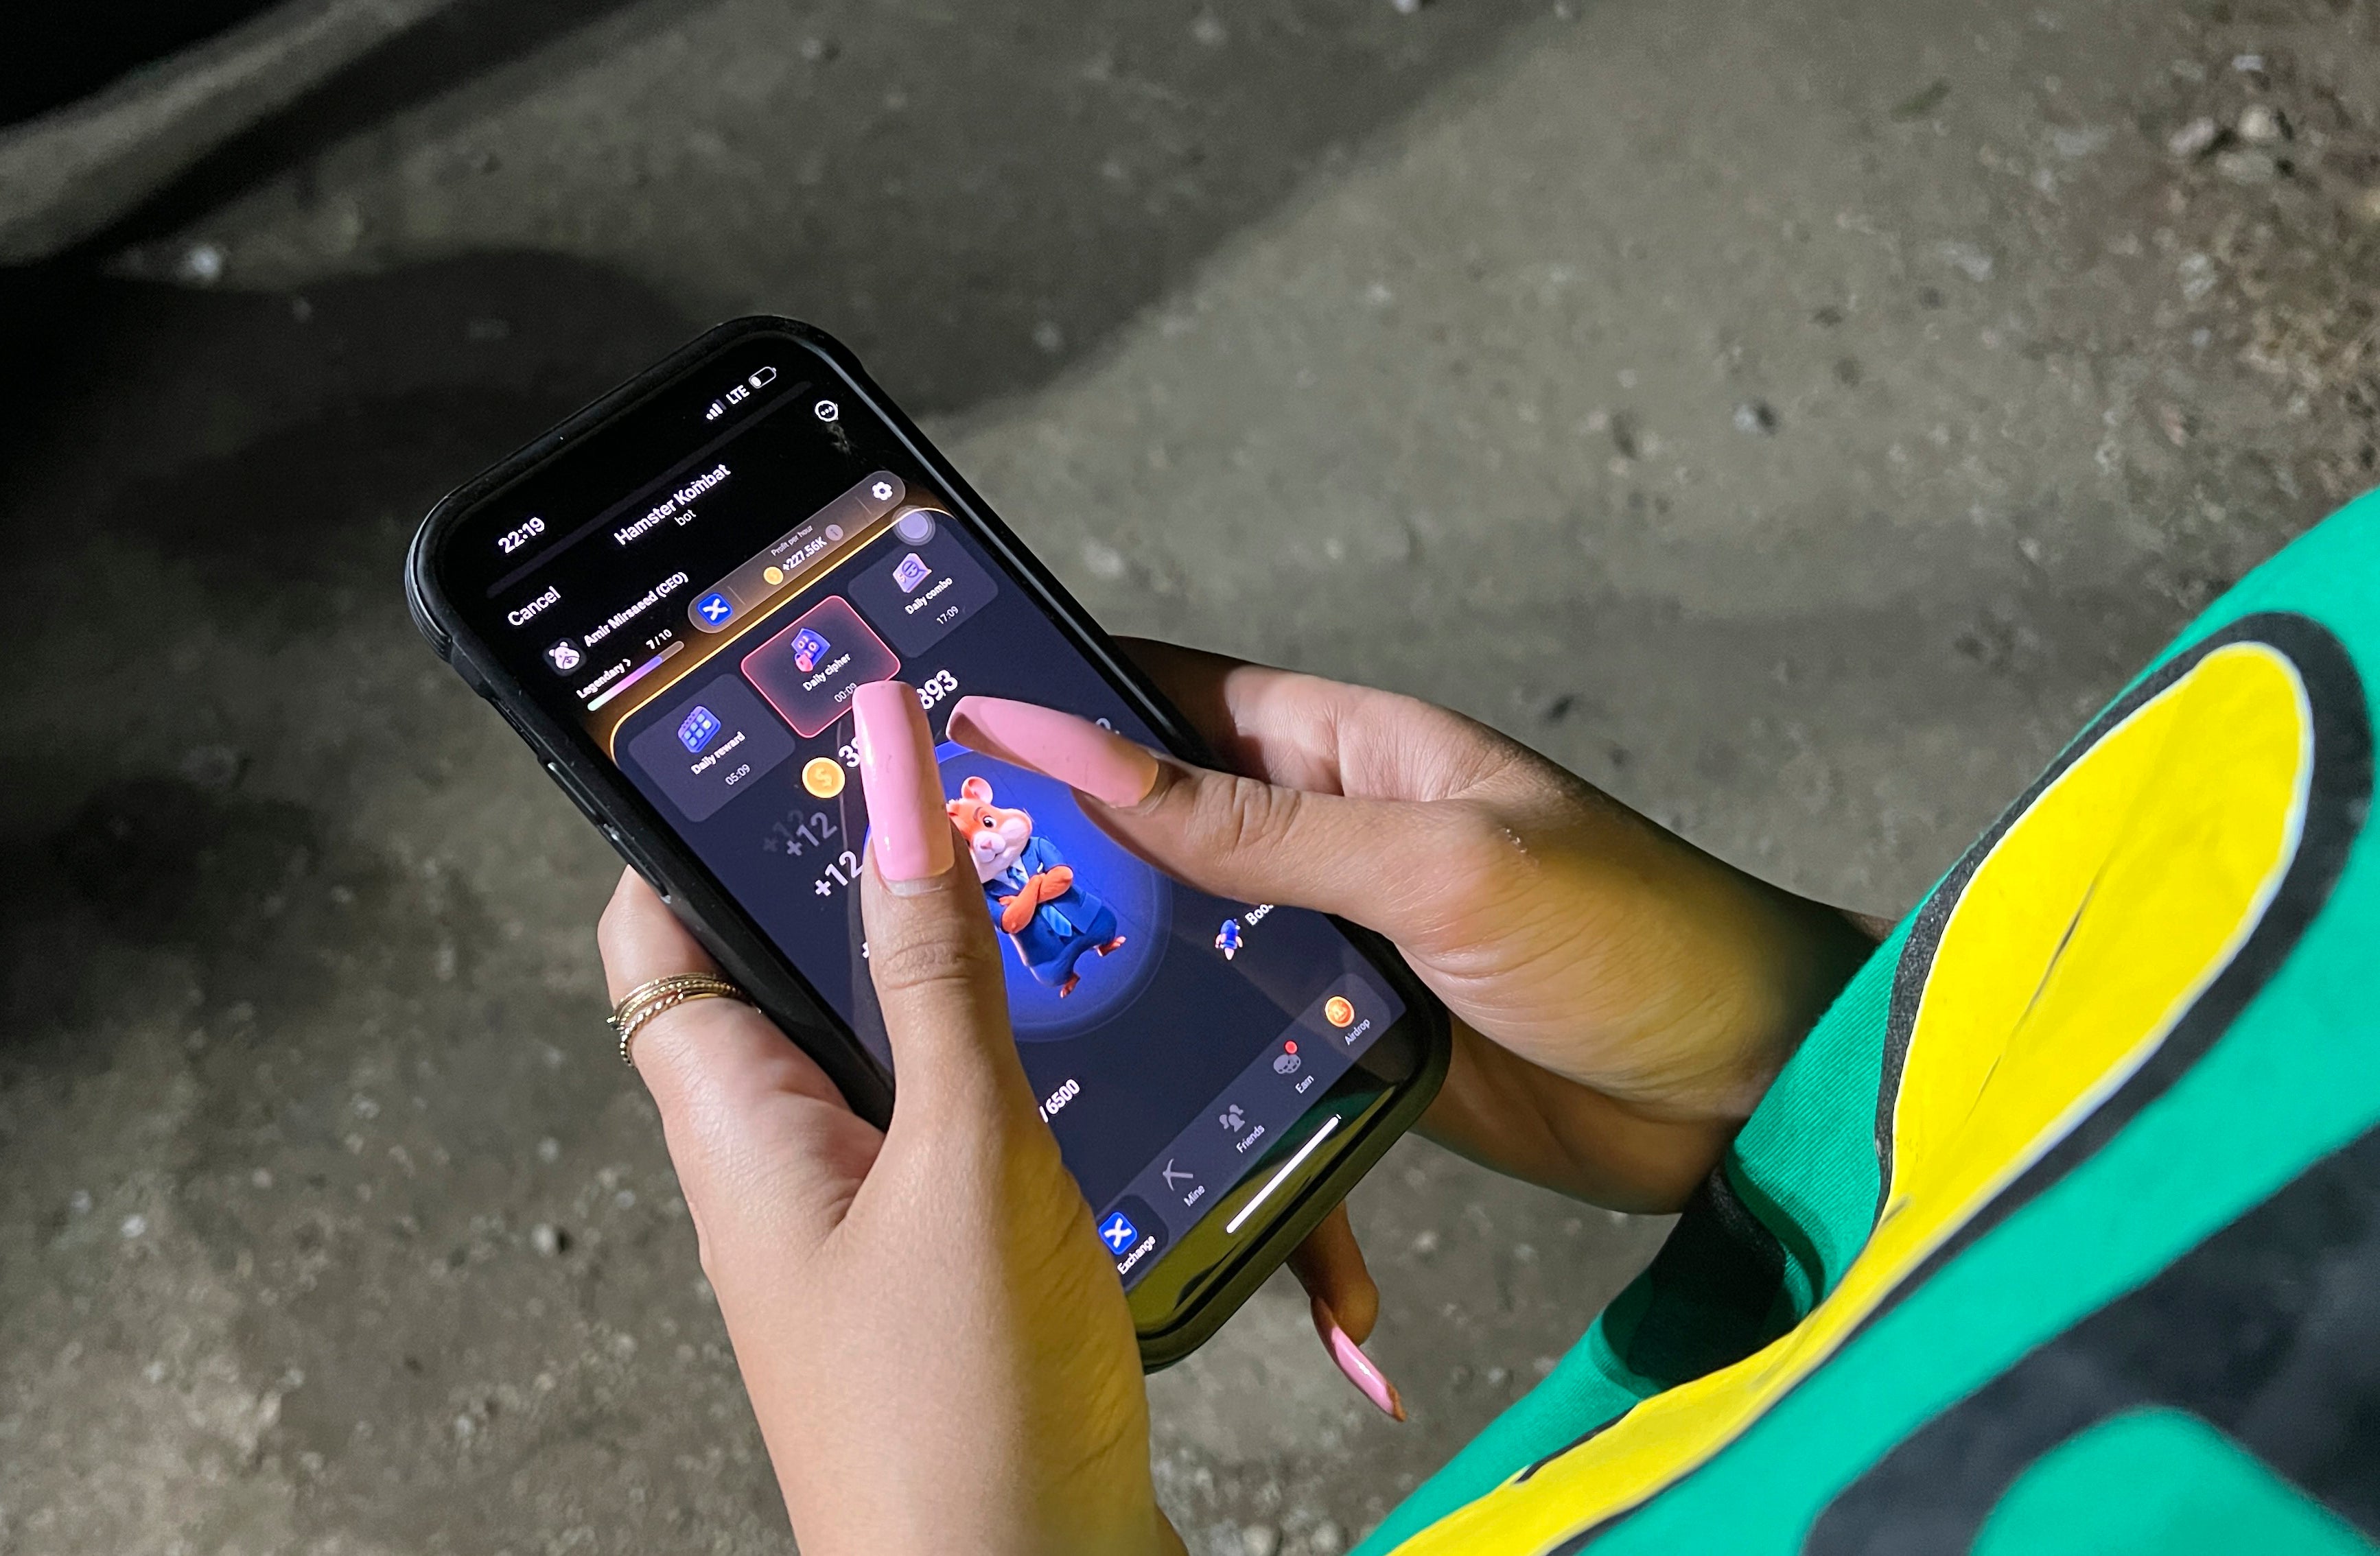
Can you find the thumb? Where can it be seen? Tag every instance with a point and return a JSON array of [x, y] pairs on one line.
[[1378, 861], [930, 949]]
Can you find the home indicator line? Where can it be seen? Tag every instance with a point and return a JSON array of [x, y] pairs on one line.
[[1286, 1168]]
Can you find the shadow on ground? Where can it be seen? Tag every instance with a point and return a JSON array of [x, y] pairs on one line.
[[322, 1183]]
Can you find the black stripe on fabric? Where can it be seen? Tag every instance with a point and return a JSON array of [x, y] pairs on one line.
[[1580, 1441], [1917, 960], [2269, 1330], [2339, 798]]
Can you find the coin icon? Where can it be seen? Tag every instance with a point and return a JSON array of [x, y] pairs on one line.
[[822, 776], [1337, 1010]]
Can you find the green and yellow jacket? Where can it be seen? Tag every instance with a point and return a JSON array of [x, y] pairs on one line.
[[2062, 1232]]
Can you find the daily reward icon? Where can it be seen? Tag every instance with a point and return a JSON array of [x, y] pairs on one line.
[[696, 731]]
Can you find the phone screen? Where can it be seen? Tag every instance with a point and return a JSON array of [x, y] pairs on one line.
[[701, 589]]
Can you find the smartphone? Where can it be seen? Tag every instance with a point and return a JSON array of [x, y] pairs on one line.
[[671, 597]]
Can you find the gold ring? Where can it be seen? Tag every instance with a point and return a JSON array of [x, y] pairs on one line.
[[648, 999]]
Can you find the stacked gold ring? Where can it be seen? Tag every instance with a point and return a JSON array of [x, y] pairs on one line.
[[648, 999]]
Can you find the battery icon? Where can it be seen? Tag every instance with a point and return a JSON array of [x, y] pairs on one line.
[[763, 378]]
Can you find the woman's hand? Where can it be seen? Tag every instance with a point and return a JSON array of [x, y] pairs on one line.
[[937, 1349], [1622, 999]]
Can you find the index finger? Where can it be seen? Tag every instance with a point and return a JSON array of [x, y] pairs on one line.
[[1322, 736]]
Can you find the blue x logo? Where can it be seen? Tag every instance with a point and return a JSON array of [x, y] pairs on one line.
[[1118, 1232], [714, 608]]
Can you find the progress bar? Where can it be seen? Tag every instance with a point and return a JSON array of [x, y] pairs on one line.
[[1274, 1182], [633, 676]]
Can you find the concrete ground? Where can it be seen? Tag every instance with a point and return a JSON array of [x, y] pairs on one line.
[[1794, 417]]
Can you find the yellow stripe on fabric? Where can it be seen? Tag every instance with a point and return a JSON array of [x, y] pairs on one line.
[[2085, 936]]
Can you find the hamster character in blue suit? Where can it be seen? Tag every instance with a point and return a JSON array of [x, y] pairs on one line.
[[1031, 889]]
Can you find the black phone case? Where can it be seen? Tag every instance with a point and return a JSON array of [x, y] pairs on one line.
[[636, 832]]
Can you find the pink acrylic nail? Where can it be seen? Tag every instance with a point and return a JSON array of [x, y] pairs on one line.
[[1075, 752], [909, 831], [1359, 1367]]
